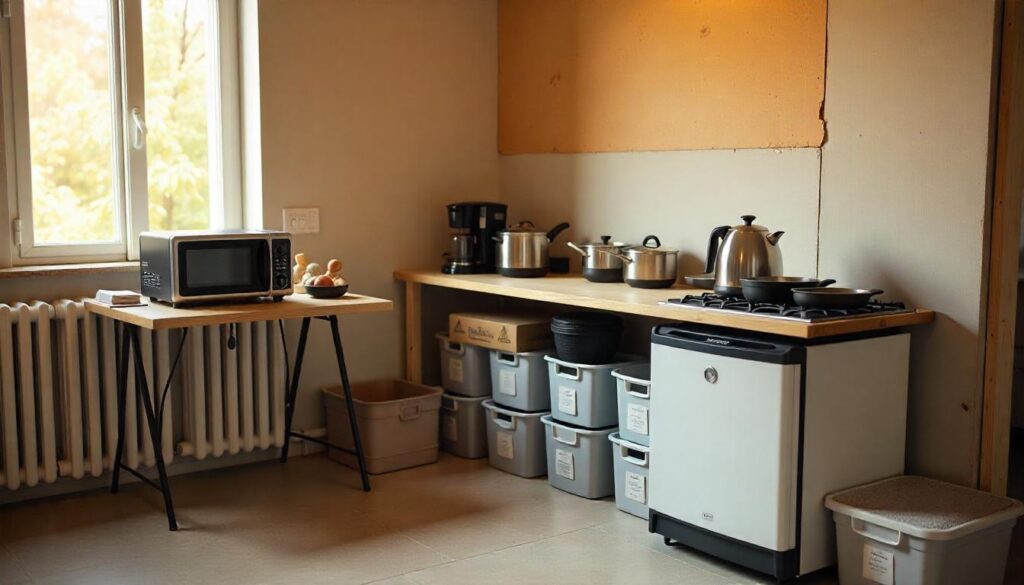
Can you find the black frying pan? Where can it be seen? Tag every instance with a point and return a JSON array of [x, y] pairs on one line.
[[833, 298], [777, 289]]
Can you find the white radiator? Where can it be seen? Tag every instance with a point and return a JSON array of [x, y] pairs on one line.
[[58, 393]]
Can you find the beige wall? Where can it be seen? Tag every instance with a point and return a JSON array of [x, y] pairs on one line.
[[904, 194], [623, 75], [678, 196], [902, 199], [378, 112]]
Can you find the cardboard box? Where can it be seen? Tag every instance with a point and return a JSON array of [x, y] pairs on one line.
[[511, 333]]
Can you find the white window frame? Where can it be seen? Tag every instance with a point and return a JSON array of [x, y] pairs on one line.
[[128, 106]]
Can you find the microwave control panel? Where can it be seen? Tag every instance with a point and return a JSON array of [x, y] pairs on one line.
[[281, 253]]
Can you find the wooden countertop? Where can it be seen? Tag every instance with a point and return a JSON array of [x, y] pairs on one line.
[[574, 290], [158, 316]]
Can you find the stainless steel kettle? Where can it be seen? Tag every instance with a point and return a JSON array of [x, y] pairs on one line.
[[742, 251]]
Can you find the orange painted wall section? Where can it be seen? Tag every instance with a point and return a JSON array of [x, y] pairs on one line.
[[626, 75]]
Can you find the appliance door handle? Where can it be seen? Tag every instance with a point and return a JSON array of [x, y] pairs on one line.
[[859, 527]]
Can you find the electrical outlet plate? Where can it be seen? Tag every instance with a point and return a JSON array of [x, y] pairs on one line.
[[302, 220]]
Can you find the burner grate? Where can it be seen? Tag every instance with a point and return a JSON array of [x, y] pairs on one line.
[[711, 300]]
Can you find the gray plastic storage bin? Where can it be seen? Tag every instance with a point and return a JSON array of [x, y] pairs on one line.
[[515, 441], [397, 422], [634, 399], [465, 369], [463, 426], [584, 395], [917, 531], [520, 380], [632, 465], [579, 460]]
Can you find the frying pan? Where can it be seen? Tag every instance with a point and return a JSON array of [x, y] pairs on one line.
[[777, 289], [833, 298]]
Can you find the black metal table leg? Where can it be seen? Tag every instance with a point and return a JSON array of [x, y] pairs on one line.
[[343, 370], [121, 360], [289, 404], [154, 426]]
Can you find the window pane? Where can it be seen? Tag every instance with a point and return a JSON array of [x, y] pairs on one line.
[[67, 50], [177, 113]]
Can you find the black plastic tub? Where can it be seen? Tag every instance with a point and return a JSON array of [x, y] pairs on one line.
[[586, 337]]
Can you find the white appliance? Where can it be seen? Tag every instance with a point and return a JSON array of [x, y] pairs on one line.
[[750, 432]]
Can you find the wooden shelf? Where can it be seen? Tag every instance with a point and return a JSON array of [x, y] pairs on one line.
[[67, 269], [158, 316], [575, 291]]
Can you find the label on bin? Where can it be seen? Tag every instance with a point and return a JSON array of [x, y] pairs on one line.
[[636, 487], [878, 565], [504, 445], [507, 382], [449, 430], [567, 400], [564, 464], [455, 369], [636, 419]]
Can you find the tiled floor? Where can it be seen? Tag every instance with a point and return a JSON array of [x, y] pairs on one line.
[[457, 521]]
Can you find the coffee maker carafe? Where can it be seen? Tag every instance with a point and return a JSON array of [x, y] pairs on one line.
[[470, 247]]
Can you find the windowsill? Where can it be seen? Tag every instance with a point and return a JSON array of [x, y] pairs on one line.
[[44, 270]]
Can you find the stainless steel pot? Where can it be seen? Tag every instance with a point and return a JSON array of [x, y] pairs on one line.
[[522, 250], [598, 267], [647, 265], [746, 251]]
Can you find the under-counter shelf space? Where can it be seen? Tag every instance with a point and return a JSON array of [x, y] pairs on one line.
[[573, 290]]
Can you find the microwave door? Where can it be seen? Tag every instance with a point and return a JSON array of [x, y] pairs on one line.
[[212, 269]]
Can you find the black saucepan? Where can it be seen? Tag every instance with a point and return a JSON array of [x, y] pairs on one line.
[[833, 298], [777, 289]]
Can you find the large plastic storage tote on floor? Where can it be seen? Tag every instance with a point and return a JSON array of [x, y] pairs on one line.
[[579, 460], [911, 530], [634, 400], [520, 380], [463, 426], [631, 463], [465, 369], [515, 441], [582, 394], [398, 423]]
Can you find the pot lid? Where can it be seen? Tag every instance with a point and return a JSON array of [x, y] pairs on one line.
[[523, 227], [652, 245], [749, 225], [604, 243]]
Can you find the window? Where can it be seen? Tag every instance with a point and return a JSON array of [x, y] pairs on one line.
[[123, 117]]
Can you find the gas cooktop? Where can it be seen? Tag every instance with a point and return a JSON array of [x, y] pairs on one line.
[[717, 302]]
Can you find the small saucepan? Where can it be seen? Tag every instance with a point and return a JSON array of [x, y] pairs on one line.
[[777, 289], [648, 265], [833, 298]]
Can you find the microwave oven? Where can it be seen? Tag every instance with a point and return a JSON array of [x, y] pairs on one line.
[[183, 267]]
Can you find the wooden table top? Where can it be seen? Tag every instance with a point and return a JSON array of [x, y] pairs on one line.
[[574, 290], [158, 316]]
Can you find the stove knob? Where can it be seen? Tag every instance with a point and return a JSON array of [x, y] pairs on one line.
[[711, 375]]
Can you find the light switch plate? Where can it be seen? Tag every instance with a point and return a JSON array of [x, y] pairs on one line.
[[302, 220]]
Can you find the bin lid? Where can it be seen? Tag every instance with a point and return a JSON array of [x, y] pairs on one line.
[[926, 508]]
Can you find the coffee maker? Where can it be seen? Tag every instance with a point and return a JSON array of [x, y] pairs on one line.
[[474, 225]]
